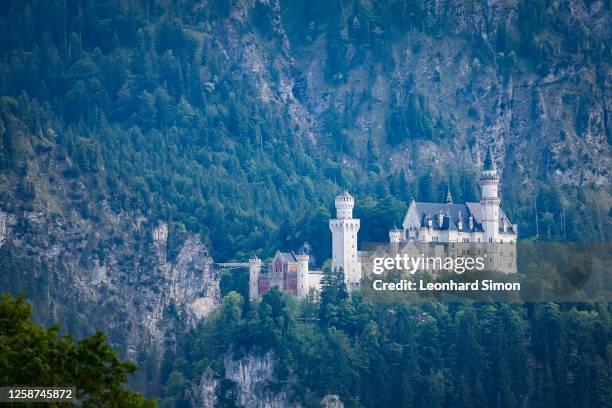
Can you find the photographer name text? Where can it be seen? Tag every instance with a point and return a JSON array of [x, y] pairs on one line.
[[450, 286]]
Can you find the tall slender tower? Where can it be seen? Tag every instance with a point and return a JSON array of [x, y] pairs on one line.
[[254, 272], [489, 199], [302, 275], [344, 241]]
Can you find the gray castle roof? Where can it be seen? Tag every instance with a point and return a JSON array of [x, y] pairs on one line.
[[453, 213], [286, 256]]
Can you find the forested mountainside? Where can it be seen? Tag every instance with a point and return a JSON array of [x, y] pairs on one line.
[[143, 139], [360, 354]]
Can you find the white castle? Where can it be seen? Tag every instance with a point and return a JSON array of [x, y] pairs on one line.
[[441, 224], [447, 222]]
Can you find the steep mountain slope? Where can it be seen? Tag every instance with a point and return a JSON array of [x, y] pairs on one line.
[[90, 266], [140, 138]]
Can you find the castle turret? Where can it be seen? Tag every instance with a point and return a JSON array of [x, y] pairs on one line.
[[302, 275], [344, 206], [254, 272], [489, 200], [344, 240], [395, 236]]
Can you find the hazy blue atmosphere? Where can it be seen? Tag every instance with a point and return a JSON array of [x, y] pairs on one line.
[[143, 141]]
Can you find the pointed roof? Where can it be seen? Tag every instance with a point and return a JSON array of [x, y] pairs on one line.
[[449, 197], [489, 163], [424, 212], [288, 257], [395, 229], [345, 193]]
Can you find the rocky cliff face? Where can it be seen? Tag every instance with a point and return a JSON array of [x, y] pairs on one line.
[[412, 88], [204, 393], [546, 116], [378, 89], [254, 376], [255, 385], [115, 292], [91, 267]]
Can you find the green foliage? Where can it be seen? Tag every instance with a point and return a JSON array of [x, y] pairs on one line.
[[236, 280], [140, 104], [409, 120], [31, 355], [333, 293], [406, 354], [381, 215], [137, 104]]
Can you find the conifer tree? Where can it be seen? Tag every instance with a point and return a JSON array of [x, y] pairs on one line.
[[34, 356]]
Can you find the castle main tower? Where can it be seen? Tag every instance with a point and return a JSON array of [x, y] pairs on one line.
[[344, 231], [489, 199]]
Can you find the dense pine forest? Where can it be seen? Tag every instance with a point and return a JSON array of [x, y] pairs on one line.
[[140, 102], [141, 140], [406, 354]]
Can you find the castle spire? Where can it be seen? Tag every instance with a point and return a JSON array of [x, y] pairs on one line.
[[449, 197], [489, 163], [489, 199]]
